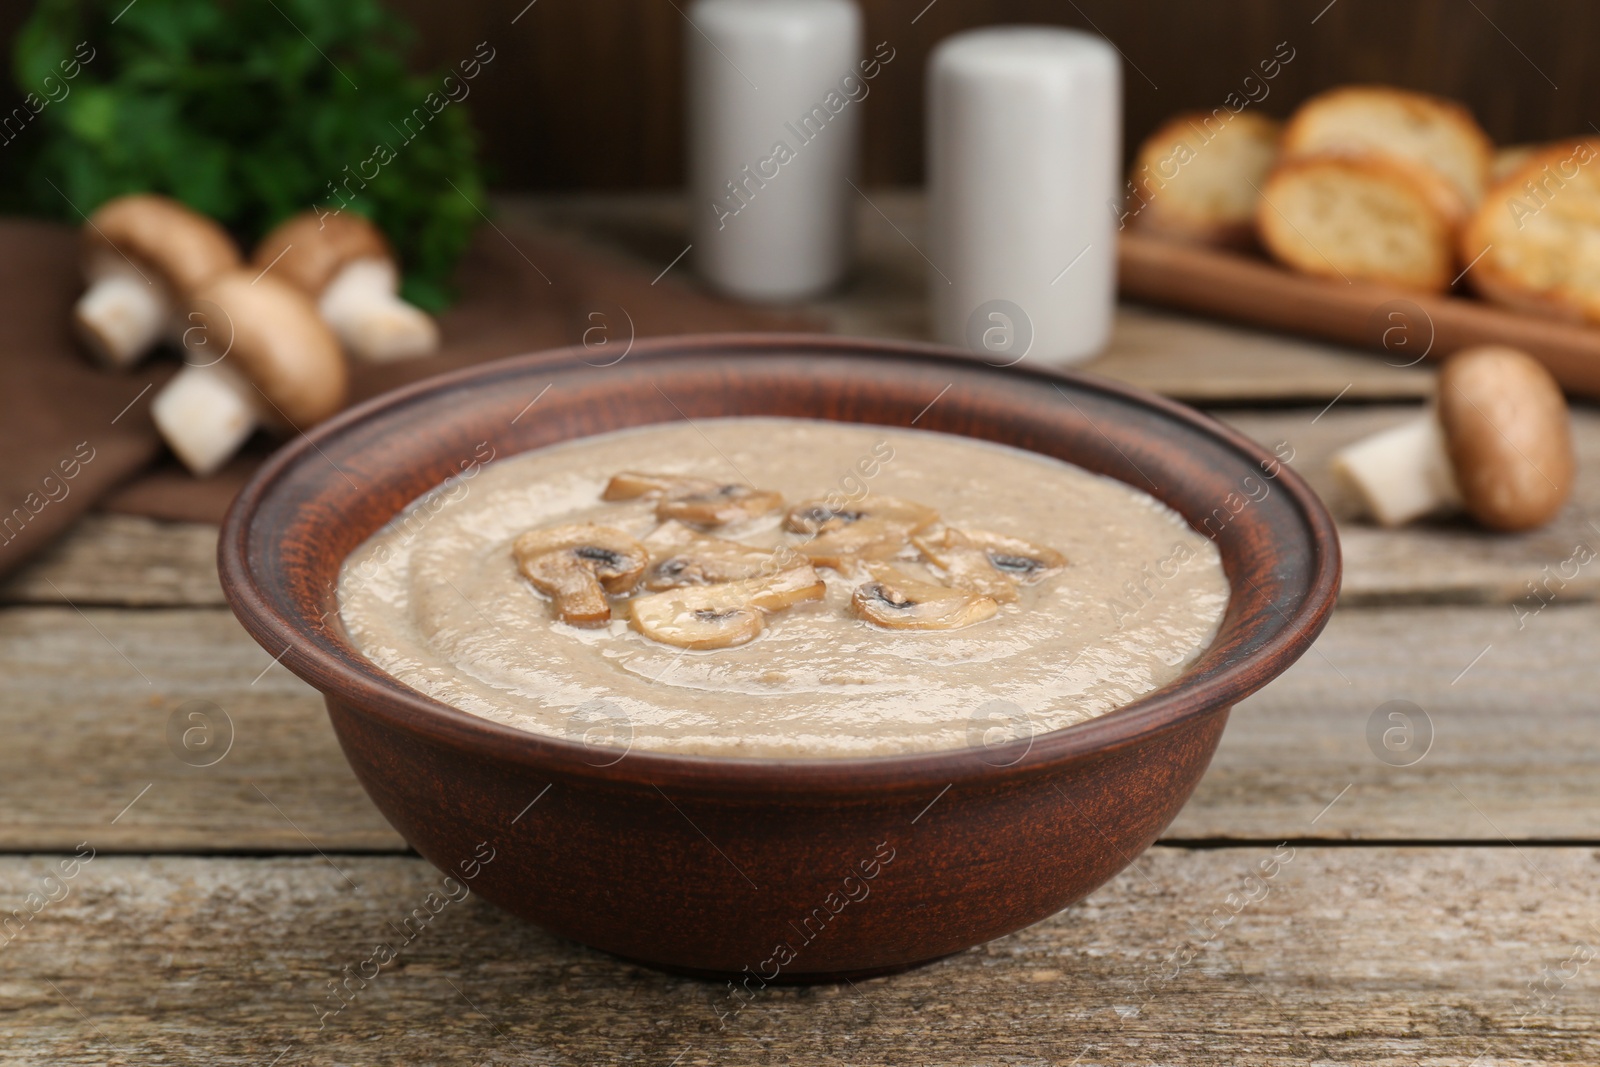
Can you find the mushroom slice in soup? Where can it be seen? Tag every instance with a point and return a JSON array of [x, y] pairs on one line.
[[875, 529], [896, 601], [695, 500], [576, 565], [723, 615]]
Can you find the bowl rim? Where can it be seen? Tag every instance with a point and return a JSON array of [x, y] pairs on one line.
[[412, 712]]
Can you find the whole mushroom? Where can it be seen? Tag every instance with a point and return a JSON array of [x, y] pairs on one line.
[[143, 255], [1496, 443], [277, 365], [347, 266]]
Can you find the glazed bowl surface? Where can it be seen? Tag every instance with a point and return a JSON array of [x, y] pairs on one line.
[[775, 870]]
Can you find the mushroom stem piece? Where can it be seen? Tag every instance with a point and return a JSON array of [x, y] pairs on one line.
[[1401, 474], [1497, 443], [362, 305], [279, 366], [205, 414], [121, 316]]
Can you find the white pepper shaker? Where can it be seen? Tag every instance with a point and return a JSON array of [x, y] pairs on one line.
[[775, 90], [1024, 150]]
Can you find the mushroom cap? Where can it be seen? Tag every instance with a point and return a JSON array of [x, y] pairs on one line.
[[315, 248], [1506, 429], [272, 335], [185, 248]]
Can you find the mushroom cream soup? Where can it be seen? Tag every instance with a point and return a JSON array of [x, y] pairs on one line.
[[783, 588]]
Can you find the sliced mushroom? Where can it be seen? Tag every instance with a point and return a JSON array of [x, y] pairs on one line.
[[670, 535], [682, 555], [1024, 561], [966, 565], [719, 506], [875, 529], [630, 485], [897, 602], [697, 500], [580, 598], [988, 563], [696, 619], [815, 516], [577, 565], [724, 615], [707, 561]]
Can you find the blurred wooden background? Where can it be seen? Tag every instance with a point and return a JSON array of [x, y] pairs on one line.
[[588, 93]]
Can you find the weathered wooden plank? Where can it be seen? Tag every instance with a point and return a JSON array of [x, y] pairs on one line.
[[123, 560], [886, 296], [1209, 363], [1514, 751], [1255, 955], [1503, 739], [98, 713]]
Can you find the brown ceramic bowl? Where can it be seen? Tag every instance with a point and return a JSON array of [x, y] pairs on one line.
[[790, 870]]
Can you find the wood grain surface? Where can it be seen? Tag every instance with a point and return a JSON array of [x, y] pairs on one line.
[[106, 696], [122, 561], [1249, 955]]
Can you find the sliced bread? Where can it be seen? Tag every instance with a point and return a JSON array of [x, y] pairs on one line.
[[1507, 158], [1198, 176], [1437, 137], [1352, 218], [1534, 244]]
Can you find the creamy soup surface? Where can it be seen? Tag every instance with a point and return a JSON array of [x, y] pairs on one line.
[[436, 600]]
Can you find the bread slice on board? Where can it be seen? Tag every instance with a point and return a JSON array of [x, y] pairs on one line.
[[1438, 137], [1350, 218], [1197, 177], [1534, 243], [1507, 158]]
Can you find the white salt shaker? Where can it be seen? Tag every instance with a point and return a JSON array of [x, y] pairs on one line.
[[1024, 151], [775, 90]]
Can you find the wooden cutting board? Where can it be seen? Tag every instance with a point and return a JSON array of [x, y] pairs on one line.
[[1404, 326]]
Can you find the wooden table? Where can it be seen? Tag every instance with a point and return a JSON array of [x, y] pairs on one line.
[[1436, 907]]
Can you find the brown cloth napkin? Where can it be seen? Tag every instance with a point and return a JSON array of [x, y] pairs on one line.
[[72, 434]]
